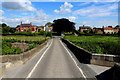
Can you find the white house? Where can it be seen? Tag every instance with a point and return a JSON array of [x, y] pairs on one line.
[[110, 30]]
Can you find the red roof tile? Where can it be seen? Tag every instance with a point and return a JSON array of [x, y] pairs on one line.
[[108, 28], [116, 30]]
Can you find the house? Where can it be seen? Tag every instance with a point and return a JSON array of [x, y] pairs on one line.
[[48, 28], [109, 30], [39, 28], [98, 30], [26, 27], [83, 28]]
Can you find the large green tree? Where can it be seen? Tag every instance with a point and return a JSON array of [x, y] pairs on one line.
[[12, 30], [63, 25], [5, 28]]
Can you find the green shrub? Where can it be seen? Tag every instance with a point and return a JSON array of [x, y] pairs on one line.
[[42, 32], [8, 49], [49, 34]]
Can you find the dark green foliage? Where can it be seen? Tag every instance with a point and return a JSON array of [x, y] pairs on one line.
[[63, 25], [31, 46], [49, 34], [12, 30], [41, 32], [5, 28], [97, 44], [8, 49], [119, 33]]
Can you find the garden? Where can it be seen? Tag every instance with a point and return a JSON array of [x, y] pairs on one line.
[[32, 41], [97, 44]]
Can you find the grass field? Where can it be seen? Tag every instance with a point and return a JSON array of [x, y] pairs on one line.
[[7, 48], [97, 44], [24, 38]]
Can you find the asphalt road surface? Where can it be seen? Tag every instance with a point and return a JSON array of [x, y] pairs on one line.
[[54, 61]]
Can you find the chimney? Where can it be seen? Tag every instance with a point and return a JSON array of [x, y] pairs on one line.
[[30, 23], [83, 25], [21, 22]]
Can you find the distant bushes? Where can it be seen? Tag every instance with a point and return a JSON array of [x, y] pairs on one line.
[[49, 34], [85, 33]]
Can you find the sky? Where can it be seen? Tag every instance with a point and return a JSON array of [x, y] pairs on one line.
[[90, 13]]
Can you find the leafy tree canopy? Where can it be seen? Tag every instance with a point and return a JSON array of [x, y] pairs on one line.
[[63, 25], [49, 23]]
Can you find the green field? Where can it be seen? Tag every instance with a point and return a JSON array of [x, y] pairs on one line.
[[24, 38], [33, 42], [97, 44]]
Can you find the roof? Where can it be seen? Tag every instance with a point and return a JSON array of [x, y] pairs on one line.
[[33, 25], [116, 30], [41, 26], [25, 25], [108, 28]]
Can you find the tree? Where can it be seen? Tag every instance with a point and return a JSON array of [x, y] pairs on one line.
[[110, 26], [117, 26], [119, 33], [5, 28], [49, 23], [12, 30], [63, 25]]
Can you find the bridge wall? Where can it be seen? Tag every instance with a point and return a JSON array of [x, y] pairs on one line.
[[21, 57], [85, 56]]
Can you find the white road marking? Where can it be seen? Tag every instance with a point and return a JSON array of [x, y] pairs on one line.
[[29, 75], [74, 61]]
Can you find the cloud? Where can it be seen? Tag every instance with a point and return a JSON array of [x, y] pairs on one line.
[[18, 5], [66, 8], [72, 18], [1, 12], [97, 11], [84, 3], [40, 18]]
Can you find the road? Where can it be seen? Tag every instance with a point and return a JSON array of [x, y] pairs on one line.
[[54, 61]]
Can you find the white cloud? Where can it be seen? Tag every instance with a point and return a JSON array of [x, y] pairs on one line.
[[97, 11], [84, 3], [19, 5], [66, 8], [39, 19], [1, 12], [72, 18]]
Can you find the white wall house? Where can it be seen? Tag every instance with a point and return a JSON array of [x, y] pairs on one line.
[[110, 30]]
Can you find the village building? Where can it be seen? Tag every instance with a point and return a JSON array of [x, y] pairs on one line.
[[83, 28], [26, 27], [98, 30], [109, 30], [39, 28], [48, 28]]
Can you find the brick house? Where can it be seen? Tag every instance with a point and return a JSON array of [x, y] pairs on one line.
[[98, 30], [110, 30], [83, 28], [25, 27], [40, 28]]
